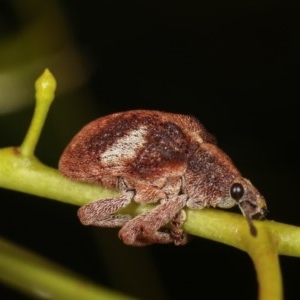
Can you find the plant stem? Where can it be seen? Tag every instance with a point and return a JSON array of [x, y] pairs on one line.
[[233, 230], [29, 175], [45, 87], [263, 252], [39, 278]]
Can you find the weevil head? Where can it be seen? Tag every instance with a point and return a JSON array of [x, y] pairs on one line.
[[251, 203], [211, 179]]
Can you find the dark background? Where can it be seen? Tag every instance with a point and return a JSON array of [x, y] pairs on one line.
[[234, 65]]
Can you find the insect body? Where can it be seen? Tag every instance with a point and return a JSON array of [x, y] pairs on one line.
[[155, 157]]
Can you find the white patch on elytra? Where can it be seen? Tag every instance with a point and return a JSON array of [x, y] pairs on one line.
[[125, 147]]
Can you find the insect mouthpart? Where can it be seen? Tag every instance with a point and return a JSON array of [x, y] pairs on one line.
[[250, 202], [253, 211], [260, 215]]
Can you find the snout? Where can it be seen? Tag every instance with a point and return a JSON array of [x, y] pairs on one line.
[[261, 214]]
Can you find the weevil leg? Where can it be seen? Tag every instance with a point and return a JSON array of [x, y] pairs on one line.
[[100, 213], [176, 230], [145, 229]]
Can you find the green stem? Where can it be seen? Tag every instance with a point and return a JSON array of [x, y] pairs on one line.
[[28, 175], [227, 228], [263, 252], [23, 174], [39, 278], [45, 87], [233, 230]]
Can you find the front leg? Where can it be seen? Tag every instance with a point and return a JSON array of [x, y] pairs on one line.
[[100, 213], [145, 229]]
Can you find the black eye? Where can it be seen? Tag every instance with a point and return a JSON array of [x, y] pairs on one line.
[[237, 191]]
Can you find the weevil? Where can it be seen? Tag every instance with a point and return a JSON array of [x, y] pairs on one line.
[[155, 157]]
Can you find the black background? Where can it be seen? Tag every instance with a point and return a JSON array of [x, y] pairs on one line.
[[235, 66]]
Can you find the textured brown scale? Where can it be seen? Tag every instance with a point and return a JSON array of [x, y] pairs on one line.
[[155, 157]]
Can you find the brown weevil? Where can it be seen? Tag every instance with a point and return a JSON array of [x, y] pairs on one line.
[[155, 157]]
